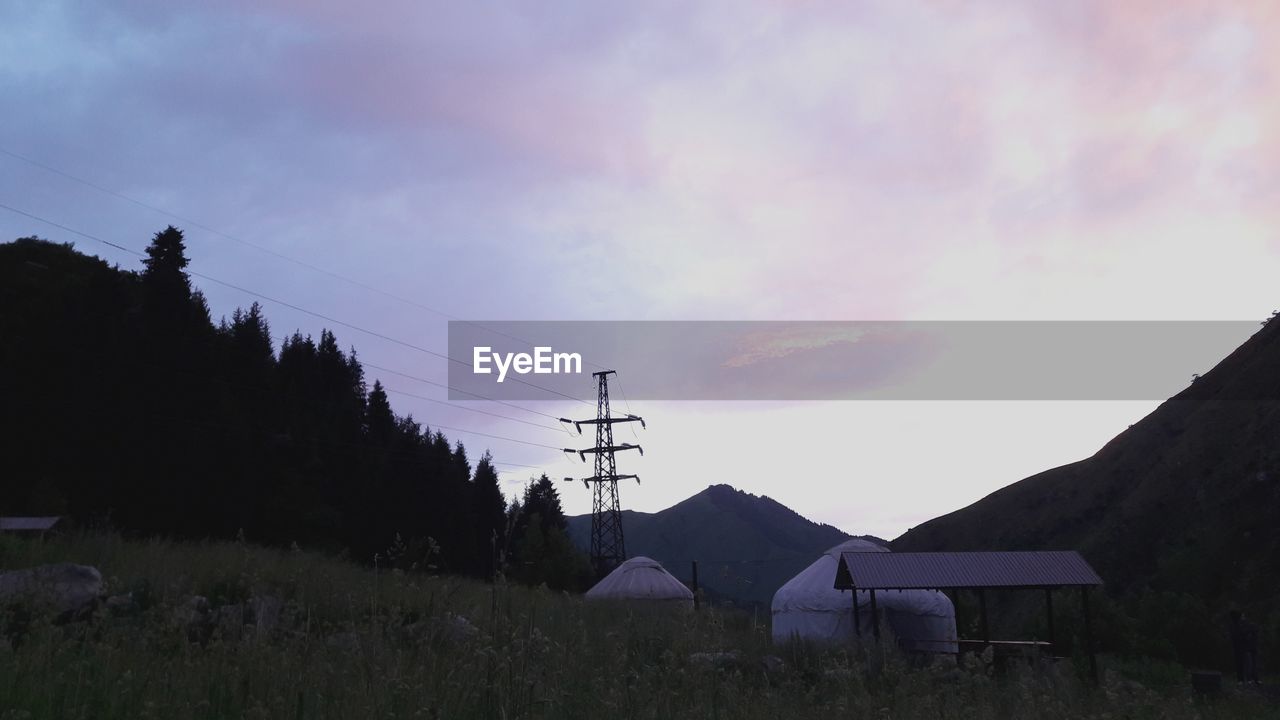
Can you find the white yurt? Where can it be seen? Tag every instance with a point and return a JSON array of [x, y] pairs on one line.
[[641, 579], [808, 606]]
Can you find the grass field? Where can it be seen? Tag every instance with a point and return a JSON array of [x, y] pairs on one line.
[[351, 642]]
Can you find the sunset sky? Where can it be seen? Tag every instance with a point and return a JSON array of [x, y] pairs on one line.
[[673, 161]]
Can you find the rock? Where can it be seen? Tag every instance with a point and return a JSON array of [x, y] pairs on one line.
[[230, 621], [455, 628], [193, 618], [773, 664], [837, 674], [412, 633], [121, 604], [65, 588], [715, 660], [194, 610], [266, 612]]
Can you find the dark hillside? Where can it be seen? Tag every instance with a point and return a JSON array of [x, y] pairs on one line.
[[1182, 508]]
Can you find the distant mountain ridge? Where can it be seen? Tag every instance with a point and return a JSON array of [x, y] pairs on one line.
[[746, 545]]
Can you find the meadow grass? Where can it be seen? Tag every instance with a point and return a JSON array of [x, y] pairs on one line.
[[353, 642]]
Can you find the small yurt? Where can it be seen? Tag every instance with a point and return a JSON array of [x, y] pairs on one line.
[[642, 579], [808, 606]]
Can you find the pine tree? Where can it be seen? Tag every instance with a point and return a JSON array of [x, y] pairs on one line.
[[541, 547], [489, 508], [250, 333], [380, 421], [175, 347], [191, 430], [167, 262], [461, 466], [541, 497]]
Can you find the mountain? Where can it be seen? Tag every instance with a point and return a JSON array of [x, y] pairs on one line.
[[1181, 510], [746, 546]]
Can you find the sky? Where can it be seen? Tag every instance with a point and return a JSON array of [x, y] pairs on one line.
[[736, 160]]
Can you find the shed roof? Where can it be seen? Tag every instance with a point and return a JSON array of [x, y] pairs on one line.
[[28, 523], [942, 570]]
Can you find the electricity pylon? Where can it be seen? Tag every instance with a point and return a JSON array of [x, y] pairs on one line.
[[608, 546]]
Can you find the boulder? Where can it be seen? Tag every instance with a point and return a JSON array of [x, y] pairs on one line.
[[266, 611], [121, 604], [448, 627], [772, 664], [194, 610], [193, 618], [724, 660], [230, 621], [457, 628], [64, 588]]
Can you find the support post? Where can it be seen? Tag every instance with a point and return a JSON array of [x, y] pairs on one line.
[[696, 603], [857, 619], [875, 616], [982, 606], [1048, 612], [1088, 633], [955, 603]]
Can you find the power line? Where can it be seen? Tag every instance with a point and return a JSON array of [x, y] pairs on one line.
[[496, 437], [334, 443], [474, 410], [454, 389], [627, 404], [261, 248], [283, 303], [206, 277], [219, 233], [300, 263], [367, 364], [557, 427], [357, 328], [281, 256]]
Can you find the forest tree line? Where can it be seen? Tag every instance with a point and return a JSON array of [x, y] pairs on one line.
[[127, 407]]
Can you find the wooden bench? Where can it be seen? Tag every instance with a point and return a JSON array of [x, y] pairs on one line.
[[1006, 652]]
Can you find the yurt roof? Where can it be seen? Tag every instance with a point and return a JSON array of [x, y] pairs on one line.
[[813, 589], [640, 578]]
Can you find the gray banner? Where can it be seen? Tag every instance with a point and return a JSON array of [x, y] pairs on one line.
[[855, 360]]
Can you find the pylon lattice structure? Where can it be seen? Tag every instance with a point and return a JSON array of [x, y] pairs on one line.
[[608, 544]]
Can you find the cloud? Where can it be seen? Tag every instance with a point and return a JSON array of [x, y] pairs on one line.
[[733, 160], [773, 345], [729, 160]]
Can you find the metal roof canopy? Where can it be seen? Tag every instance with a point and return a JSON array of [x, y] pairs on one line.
[[976, 571], [28, 523], [962, 570]]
